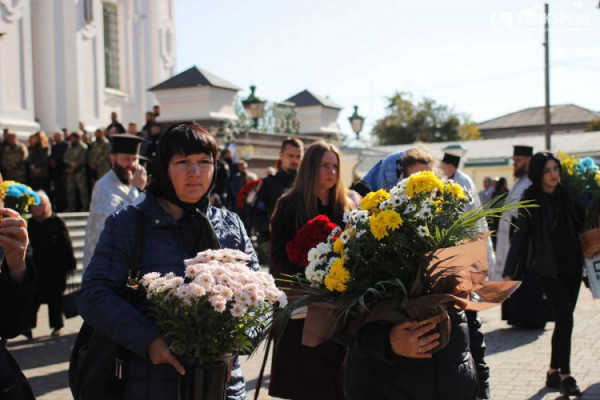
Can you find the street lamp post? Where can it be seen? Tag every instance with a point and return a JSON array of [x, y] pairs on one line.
[[254, 106], [357, 122]]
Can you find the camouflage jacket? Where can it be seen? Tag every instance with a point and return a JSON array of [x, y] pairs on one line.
[[99, 156], [76, 154]]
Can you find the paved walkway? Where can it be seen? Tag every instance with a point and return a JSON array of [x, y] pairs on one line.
[[518, 359]]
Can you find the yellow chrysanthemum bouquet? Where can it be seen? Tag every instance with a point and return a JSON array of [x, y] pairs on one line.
[[388, 253]]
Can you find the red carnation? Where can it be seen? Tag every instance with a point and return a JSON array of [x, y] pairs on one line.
[[242, 197], [310, 235]]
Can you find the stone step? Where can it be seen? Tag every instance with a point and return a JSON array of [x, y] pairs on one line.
[[77, 233], [76, 223]]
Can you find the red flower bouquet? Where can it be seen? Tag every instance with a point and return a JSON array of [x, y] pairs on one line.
[[250, 188], [314, 232]]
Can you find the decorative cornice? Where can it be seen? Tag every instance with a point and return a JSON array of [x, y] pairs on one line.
[[165, 32], [12, 10], [90, 30]]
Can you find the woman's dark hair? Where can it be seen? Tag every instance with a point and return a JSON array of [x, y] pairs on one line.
[[537, 165], [181, 139]]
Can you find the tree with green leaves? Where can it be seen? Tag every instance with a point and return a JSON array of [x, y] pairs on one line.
[[409, 121], [593, 126]]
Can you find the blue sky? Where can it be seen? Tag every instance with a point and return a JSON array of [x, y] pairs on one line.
[[482, 57]]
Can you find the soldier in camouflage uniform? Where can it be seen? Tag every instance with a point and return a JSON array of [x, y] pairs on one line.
[[14, 156], [76, 161], [99, 156]]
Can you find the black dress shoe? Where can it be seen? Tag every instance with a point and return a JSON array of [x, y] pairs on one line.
[[553, 380], [568, 387]]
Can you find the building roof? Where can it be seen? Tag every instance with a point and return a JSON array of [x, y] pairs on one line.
[[492, 151], [194, 77], [307, 98], [534, 116]]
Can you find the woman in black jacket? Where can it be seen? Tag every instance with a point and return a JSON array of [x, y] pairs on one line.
[[297, 371], [547, 240], [53, 257]]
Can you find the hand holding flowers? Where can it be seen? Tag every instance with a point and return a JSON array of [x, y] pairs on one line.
[[212, 309], [389, 261]]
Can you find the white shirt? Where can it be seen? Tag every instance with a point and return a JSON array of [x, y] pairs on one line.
[[503, 234], [108, 196], [466, 182], [486, 195]]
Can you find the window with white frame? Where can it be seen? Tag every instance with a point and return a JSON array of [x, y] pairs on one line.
[[111, 46]]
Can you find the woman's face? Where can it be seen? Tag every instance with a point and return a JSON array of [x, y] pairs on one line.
[[551, 176], [191, 176], [329, 170]]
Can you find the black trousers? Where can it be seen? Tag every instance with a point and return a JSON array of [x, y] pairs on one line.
[[562, 295], [54, 312]]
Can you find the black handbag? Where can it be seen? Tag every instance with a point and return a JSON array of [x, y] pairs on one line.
[[69, 299], [13, 384], [97, 366]]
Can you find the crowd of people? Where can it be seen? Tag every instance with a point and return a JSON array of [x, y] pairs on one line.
[[187, 203], [67, 164]]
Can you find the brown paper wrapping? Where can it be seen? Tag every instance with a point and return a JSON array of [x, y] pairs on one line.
[[447, 278]]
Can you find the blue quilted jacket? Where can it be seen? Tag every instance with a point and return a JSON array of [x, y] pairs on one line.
[[101, 306]]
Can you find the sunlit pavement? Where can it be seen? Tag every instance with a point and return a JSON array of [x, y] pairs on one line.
[[518, 358]]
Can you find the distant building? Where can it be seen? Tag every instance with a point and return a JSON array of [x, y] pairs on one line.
[[567, 118], [64, 62], [196, 94], [317, 115], [479, 158]]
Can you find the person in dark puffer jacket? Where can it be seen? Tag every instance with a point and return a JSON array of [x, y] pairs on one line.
[[178, 223], [457, 372], [375, 369]]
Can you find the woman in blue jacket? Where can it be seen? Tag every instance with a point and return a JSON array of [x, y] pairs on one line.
[[178, 223]]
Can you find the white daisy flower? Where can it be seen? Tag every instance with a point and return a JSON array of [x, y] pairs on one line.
[[238, 310], [422, 231]]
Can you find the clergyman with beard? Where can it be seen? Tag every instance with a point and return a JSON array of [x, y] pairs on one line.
[[120, 187], [521, 157]]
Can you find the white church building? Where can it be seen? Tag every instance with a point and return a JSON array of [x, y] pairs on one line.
[[68, 61]]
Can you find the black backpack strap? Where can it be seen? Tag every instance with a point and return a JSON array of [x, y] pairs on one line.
[[136, 260]]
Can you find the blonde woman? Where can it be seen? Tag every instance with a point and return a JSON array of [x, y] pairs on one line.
[[39, 156], [300, 372]]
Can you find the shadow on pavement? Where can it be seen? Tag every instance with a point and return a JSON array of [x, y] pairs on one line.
[[264, 388], [49, 383], [509, 338], [592, 392], [42, 352], [545, 391]]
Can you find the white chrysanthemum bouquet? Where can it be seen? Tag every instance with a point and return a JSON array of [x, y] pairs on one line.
[[213, 309]]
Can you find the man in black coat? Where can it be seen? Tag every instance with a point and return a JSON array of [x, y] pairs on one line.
[[57, 171], [272, 188], [114, 123], [17, 277]]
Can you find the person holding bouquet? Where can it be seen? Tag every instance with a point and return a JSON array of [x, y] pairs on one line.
[[178, 223], [297, 371], [394, 361], [546, 240]]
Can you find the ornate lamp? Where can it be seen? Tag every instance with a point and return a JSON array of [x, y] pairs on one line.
[[357, 122], [254, 106]]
